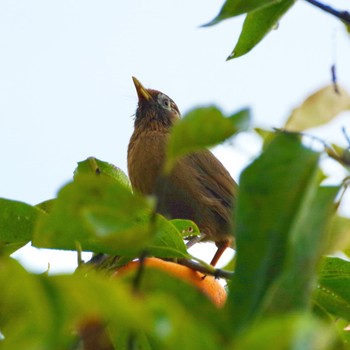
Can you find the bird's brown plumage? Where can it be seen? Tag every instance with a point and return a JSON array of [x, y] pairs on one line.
[[198, 188]]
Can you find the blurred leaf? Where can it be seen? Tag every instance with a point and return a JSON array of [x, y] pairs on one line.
[[232, 8], [201, 128], [17, 220], [307, 241], [347, 27], [291, 331], [333, 292], [318, 109], [273, 190], [99, 213], [266, 135], [179, 308], [95, 166], [105, 217], [339, 235], [27, 316], [46, 206], [342, 155], [42, 312], [231, 265], [258, 24], [344, 331]]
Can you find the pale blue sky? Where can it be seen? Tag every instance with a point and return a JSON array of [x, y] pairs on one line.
[[66, 91]]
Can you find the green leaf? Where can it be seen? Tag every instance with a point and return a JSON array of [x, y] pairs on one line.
[[232, 8], [201, 128], [307, 240], [17, 220], [180, 308], [291, 331], [46, 206], [99, 213], [266, 135], [95, 166], [167, 242], [26, 316], [333, 291], [44, 312], [258, 24], [319, 109], [186, 227], [339, 235], [273, 189]]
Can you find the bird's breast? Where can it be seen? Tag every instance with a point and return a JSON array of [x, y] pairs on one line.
[[146, 155]]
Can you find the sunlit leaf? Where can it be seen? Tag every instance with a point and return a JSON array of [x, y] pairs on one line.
[[95, 166], [201, 128], [333, 292], [318, 109], [99, 213], [233, 8], [17, 221], [258, 24]]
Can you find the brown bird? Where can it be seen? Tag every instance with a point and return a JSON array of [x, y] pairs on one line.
[[199, 188]]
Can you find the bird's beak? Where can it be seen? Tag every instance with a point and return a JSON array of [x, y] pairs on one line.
[[141, 91]]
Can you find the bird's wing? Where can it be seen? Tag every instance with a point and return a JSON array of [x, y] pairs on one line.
[[214, 178]]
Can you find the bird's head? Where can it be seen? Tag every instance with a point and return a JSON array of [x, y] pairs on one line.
[[154, 107]]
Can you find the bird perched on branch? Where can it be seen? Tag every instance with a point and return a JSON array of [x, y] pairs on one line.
[[198, 188]]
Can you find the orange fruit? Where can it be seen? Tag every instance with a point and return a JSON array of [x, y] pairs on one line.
[[208, 285]]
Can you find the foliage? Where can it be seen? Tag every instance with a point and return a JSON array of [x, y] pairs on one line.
[[262, 16], [286, 290], [281, 282]]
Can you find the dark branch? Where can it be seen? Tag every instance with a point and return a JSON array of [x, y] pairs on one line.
[[342, 15], [334, 79]]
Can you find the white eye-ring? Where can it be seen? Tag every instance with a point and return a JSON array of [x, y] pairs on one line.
[[164, 101]]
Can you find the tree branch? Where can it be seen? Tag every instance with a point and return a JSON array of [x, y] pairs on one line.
[[217, 273], [342, 15]]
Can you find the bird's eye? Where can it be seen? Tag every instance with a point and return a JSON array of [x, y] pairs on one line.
[[166, 103]]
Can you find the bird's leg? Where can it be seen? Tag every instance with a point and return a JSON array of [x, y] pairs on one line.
[[195, 239], [221, 248]]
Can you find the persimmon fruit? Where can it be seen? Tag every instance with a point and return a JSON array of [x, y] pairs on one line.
[[208, 285]]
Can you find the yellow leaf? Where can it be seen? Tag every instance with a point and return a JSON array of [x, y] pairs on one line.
[[318, 109]]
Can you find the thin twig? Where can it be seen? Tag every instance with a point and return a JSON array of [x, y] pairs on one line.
[[331, 152], [217, 273], [342, 15], [139, 272], [346, 136], [334, 79]]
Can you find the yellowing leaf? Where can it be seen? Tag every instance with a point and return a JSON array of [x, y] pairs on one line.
[[318, 109]]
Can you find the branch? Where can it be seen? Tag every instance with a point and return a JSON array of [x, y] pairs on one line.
[[342, 15], [217, 273]]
